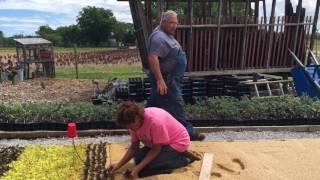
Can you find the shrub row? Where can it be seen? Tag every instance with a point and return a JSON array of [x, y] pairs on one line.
[[273, 108], [36, 112], [286, 107]]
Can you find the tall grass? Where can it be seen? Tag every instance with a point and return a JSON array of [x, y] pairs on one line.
[[121, 71]]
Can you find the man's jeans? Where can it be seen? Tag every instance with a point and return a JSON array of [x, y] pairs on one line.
[[172, 102]]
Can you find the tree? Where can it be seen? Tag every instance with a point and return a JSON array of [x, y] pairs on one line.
[[48, 33], [129, 37], [70, 35], [96, 24], [123, 31]]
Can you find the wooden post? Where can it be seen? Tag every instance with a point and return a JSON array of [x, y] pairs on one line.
[[161, 7], [244, 41], [203, 8], [149, 15], [314, 27], [141, 30], [76, 60], [224, 8], [190, 40], [270, 33], [218, 36], [256, 8], [299, 8], [264, 12], [25, 64], [54, 65], [230, 8]]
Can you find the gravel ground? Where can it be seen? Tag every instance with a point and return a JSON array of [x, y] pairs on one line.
[[216, 136]]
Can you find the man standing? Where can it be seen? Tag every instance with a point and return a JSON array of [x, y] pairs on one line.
[[167, 62]]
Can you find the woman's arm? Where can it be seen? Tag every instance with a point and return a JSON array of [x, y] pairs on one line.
[[128, 155], [151, 155]]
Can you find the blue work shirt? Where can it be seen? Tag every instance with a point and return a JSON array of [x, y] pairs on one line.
[[166, 47]]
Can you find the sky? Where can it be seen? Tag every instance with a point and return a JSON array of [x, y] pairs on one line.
[[25, 16]]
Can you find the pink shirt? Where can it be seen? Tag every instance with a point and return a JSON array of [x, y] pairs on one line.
[[159, 127]]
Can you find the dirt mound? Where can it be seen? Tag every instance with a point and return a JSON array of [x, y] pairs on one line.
[[48, 90]]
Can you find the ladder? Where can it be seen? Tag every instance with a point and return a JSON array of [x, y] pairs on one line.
[[282, 85]]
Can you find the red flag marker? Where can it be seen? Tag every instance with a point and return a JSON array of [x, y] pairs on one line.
[[72, 130]]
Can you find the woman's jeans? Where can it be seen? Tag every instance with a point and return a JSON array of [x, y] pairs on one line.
[[165, 162]]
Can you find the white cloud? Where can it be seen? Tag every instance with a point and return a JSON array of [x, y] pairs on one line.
[[19, 20], [69, 7]]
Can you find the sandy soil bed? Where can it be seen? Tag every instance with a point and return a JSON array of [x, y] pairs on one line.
[[48, 90], [261, 159]]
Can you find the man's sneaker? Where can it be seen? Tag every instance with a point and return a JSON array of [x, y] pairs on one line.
[[196, 136]]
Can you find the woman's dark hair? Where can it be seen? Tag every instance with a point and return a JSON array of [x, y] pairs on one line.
[[127, 112]]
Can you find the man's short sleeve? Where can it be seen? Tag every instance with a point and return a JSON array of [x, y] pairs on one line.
[[158, 46]]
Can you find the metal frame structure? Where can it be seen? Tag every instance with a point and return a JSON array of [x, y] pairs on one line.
[[228, 44]]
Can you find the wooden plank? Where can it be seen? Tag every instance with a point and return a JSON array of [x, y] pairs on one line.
[[218, 37], [244, 41], [201, 42], [287, 58], [230, 46], [255, 47], [196, 47], [276, 44], [300, 43], [213, 34], [190, 33], [314, 27], [272, 22], [222, 52], [205, 173], [264, 11], [185, 41], [259, 39], [234, 45], [238, 63], [299, 9], [108, 159], [279, 59], [250, 48], [208, 47], [256, 8], [285, 37], [308, 35], [264, 49]]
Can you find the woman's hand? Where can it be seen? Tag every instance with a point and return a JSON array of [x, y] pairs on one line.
[[135, 172], [113, 167]]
